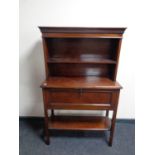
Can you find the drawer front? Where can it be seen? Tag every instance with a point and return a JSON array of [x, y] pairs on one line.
[[96, 97], [62, 96]]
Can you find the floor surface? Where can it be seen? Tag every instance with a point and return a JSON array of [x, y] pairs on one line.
[[75, 143]]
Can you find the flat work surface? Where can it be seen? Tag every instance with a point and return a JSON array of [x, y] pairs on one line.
[[81, 82], [75, 142], [80, 123]]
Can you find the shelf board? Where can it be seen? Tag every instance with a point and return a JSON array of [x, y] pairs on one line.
[[77, 106], [79, 123], [85, 60]]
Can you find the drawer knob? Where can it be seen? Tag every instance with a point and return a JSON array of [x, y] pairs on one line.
[[45, 84]]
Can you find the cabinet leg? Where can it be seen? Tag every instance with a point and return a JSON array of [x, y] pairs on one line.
[[112, 128], [111, 137], [107, 113], [52, 112], [47, 139]]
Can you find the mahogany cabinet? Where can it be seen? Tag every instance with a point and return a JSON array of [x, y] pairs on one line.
[[81, 68]]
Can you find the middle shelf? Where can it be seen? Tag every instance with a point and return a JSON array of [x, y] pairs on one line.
[[85, 60]]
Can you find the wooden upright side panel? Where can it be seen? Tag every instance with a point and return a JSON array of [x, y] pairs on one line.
[[117, 58], [45, 56]]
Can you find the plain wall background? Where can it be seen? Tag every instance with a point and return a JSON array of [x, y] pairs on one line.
[[97, 13]]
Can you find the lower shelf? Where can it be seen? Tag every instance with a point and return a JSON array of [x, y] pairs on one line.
[[79, 123]]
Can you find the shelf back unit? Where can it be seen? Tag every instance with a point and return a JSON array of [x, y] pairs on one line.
[[77, 51]]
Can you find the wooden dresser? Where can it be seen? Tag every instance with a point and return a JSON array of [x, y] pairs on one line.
[[81, 68]]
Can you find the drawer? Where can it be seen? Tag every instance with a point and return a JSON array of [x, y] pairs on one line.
[[63, 96], [96, 97], [79, 96]]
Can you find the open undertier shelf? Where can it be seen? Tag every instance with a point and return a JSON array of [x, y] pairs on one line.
[[79, 123]]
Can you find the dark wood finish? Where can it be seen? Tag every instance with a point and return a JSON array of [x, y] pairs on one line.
[[79, 97], [46, 118], [80, 123], [77, 106], [52, 112], [82, 48], [115, 103], [90, 98], [82, 30], [107, 113], [118, 48], [89, 82], [76, 70], [85, 60], [45, 56], [63, 35], [81, 69], [87, 105]]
